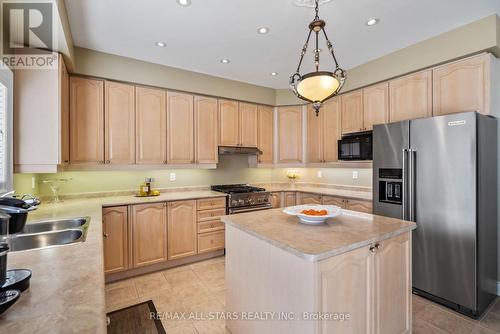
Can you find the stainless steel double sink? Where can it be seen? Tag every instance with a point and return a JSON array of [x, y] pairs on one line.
[[50, 233]]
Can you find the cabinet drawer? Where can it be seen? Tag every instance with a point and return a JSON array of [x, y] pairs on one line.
[[210, 214], [212, 241], [210, 226], [211, 203]]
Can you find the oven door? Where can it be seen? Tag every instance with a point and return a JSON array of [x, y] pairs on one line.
[[242, 209]]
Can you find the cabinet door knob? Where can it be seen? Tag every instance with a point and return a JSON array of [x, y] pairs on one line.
[[105, 235], [107, 161], [374, 248]]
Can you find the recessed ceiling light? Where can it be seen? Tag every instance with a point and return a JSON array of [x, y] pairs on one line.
[[263, 30], [371, 22], [184, 3], [225, 61], [161, 44], [274, 74]]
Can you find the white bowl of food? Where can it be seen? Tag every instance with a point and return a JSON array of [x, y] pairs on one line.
[[313, 214]]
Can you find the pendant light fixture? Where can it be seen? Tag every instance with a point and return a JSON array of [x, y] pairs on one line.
[[318, 86]]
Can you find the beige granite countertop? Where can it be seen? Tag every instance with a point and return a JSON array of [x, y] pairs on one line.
[[341, 234], [67, 287], [347, 192]]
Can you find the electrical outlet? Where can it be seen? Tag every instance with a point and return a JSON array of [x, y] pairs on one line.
[[319, 174], [354, 174], [172, 177]]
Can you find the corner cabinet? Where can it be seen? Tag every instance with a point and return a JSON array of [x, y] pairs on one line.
[[206, 129], [410, 97], [290, 134], [116, 241], [462, 86], [182, 229], [119, 121], [180, 127], [86, 121], [149, 231], [150, 126], [265, 134]]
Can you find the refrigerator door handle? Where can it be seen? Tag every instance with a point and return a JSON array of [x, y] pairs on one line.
[[411, 184], [405, 192]]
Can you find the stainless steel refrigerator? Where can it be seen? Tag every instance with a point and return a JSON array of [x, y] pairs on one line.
[[441, 172]]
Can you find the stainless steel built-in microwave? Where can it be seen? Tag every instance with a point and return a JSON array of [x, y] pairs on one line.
[[356, 146]]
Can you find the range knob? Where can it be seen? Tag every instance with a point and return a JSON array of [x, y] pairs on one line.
[[251, 201], [241, 202], [234, 202]]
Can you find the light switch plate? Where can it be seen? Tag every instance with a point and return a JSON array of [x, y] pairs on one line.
[[354, 174], [172, 177], [319, 174]]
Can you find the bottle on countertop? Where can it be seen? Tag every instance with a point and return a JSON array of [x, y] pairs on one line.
[[145, 189]]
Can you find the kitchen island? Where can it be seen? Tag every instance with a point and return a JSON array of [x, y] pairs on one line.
[[351, 275]]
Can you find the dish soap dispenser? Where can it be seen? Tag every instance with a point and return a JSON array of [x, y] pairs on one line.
[[145, 188]]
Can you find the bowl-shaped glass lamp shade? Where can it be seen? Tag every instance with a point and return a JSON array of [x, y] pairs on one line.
[[318, 86]]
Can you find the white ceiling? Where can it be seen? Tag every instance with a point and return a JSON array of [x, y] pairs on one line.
[[199, 36]]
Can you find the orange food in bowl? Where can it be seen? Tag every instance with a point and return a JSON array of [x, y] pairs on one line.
[[312, 212]]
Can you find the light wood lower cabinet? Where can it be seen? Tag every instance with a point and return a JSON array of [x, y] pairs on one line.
[[305, 198], [359, 205], [209, 242], [392, 300], [149, 233], [372, 284], [116, 241], [211, 230], [276, 199], [289, 199], [182, 229], [334, 200]]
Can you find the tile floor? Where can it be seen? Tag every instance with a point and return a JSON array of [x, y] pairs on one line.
[[200, 287]]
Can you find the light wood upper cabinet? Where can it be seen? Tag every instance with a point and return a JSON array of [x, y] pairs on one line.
[[151, 125], [115, 233], [410, 97], [375, 105], [180, 128], [248, 124], [119, 134], [149, 230], [265, 138], [331, 129], [64, 91], [323, 132], [182, 229], [41, 119], [86, 121], [229, 123], [206, 134], [392, 288], [314, 135], [462, 86], [351, 106], [290, 134]]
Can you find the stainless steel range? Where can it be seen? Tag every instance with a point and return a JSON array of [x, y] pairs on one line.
[[244, 198]]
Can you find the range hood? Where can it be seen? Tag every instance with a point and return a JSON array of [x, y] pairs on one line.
[[227, 150]]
